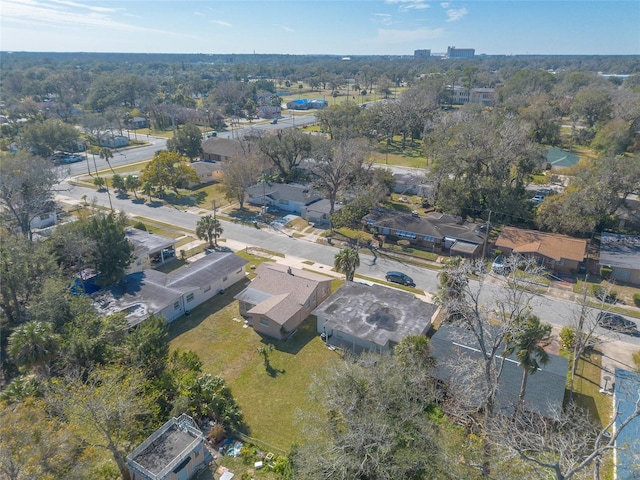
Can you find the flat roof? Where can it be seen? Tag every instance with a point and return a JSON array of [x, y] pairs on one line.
[[375, 313]]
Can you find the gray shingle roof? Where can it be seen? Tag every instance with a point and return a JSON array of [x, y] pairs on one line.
[[147, 241], [287, 288], [437, 225], [545, 388], [375, 313]]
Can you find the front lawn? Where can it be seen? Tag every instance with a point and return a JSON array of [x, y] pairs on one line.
[[269, 401]]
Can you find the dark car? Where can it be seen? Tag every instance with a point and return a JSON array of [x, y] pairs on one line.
[[618, 323], [401, 278]]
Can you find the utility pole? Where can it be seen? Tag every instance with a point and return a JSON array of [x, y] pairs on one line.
[[214, 210], [486, 235]]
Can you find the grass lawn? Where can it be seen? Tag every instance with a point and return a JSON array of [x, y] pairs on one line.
[[587, 395], [269, 402]]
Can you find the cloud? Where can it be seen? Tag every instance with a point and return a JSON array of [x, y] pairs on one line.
[[65, 14], [383, 18], [287, 29], [455, 14], [409, 4], [200, 14], [221, 23], [402, 36]]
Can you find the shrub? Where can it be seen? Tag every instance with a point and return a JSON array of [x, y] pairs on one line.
[[404, 244], [605, 272], [568, 337], [636, 299], [140, 226], [216, 433]]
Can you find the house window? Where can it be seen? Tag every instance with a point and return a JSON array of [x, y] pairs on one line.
[[190, 297], [306, 304], [559, 263], [264, 322], [176, 305], [427, 238]]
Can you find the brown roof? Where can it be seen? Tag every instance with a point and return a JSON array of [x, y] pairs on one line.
[[285, 290], [550, 245]]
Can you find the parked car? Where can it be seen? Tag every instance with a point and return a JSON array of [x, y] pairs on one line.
[[499, 267], [537, 199], [401, 278], [617, 323]]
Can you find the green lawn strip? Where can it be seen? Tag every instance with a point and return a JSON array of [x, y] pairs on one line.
[[610, 308], [587, 395], [269, 402], [309, 262]]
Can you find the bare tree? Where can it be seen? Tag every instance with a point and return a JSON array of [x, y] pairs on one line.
[[240, 173], [336, 163], [561, 446], [26, 189]]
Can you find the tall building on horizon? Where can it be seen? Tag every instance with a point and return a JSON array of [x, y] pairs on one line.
[[453, 52], [424, 53]]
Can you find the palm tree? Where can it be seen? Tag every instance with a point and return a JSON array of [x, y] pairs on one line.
[[147, 189], [208, 228], [528, 342], [346, 261], [34, 345], [106, 154]]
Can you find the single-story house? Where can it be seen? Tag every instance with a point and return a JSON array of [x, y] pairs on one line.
[[627, 447], [559, 253], [139, 122], [622, 254], [556, 158], [110, 140], [318, 212], [176, 451], [305, 104], [148, 248], [361, 317], [285, 196], [207, 172], [408, 184], [218, 149], [453, 346], [279, 298], [435, 231], [170, 295]]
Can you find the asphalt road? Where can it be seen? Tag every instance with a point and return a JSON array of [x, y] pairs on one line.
[[552, 310]]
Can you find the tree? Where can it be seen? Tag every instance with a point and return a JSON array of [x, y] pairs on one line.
[[106, 154], [107, 409], [147, 189], [478, 171], [24, 269], [46, 137], [264, 351], [241, 172], [113, 252], [285, 151], [593, 104], [147, 346], [335, 164], [372, 423], [168, 170], [188, 142], [209, 229], [26, 189], [34, 345], [528, 342], [117, 182], [209, 396], [562, 446], [346, 261], [100, 182], [48, 451], [132, 183], [342, 121]]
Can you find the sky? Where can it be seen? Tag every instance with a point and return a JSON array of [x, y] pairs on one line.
[[335, 27]]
